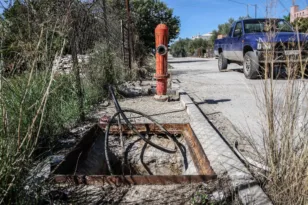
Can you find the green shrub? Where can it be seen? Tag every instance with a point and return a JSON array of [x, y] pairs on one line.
[[32, 115], [104, 68]]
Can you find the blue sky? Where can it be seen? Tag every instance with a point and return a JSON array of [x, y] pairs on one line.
[[203, 16]]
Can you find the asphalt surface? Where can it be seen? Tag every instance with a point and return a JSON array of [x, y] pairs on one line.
[[234, 104]]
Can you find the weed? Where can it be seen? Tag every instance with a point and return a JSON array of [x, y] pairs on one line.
[[284, 128], [200, 198]]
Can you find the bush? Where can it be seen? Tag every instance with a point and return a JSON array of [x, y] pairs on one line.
[[31, 119], [104, 69], [188, 47]]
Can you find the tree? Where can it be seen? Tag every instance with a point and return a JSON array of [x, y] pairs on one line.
[[180, 48], [27, 21], [213, 38], [187, 47], [49, 22], [147, 14], [287, 18], [197, 47], [301, 24], [223, 29], [28, 18]]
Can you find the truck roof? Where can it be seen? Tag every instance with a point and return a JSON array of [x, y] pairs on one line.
[[261, 19]]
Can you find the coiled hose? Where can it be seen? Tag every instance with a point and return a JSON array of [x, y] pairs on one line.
[[132, 127]]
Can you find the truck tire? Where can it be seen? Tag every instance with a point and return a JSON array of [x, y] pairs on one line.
[[222, 62], [251, 65]]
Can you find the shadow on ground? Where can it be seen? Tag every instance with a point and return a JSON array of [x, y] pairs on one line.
[[277, 74], [212, 102], [188, 61], [199, 72]]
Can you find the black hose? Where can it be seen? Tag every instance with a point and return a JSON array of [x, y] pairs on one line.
[[132, 127], [136, 132]]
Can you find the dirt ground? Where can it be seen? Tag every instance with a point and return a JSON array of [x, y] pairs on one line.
[[163, 112], [200, 193], [215, 192]]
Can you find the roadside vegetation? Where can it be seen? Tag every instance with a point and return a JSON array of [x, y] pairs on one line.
[[199, 47], [282, 159], [280, 162], [37, 101], [188, 47], [285, 130]]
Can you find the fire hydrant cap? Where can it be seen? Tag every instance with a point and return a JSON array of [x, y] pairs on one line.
[[161, 27]]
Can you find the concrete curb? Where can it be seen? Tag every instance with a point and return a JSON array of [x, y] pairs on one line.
[[223, 160]]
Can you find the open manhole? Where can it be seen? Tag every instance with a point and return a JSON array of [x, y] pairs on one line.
[[132, 160]]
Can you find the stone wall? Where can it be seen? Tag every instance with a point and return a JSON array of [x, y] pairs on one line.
[[65, 63]]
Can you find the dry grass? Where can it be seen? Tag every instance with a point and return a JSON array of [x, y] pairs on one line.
[[284, 152]]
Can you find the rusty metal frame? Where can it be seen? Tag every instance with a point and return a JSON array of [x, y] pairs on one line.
[[101, 180], [199, 158]]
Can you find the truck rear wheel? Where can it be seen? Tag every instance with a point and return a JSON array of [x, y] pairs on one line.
[[251, 65], [222, 62]]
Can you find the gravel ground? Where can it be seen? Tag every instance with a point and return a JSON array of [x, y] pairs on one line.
[[210, 193], [163, 112]]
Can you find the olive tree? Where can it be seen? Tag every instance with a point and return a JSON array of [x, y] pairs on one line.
[[147, 14]]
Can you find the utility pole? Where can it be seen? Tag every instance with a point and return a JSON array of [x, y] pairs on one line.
[[247, 5], [74, 46], [256, 10], [266, 10], [256, 7], [129, 34]]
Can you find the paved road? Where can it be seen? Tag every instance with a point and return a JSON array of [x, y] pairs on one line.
[[232, 103]]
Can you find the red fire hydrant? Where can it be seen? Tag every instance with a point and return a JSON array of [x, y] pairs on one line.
[[161, 41]]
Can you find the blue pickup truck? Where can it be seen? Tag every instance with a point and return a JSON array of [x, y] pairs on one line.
[[251, 41]]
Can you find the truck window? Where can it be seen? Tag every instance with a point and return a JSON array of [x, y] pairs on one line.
[[266, 25], [238, 30], [231, 30]]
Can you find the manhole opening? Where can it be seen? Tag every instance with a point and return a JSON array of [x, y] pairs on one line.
[[139, 158], [136, 157]]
